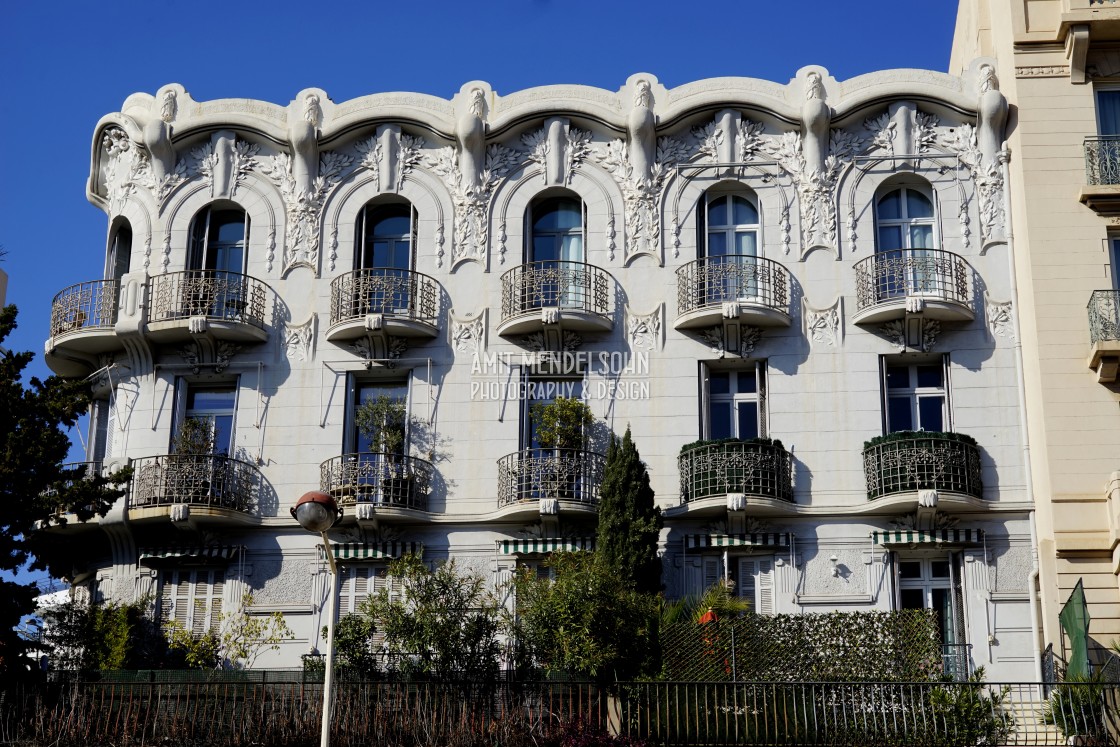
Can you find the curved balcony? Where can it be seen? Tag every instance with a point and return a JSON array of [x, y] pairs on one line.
[[754, 289], [932, 282], [209, 484], [82, 326], [228, 305], [1104, 334], [536, 481], [574, 294], [380, 479], [402, 303], [909, 461], [1101, 192], [756, 469]]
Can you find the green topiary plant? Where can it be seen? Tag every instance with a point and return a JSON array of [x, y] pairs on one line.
[[382, 420], [562, 423], [914, 435]]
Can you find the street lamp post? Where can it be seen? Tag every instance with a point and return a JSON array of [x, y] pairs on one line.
[[317, 512]]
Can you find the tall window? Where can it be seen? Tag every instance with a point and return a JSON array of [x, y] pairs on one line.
[[752, 579], [915, 396], [934, 583], [120, 252], [735, 402], [904, 220], [541, 391], [192, 598], [554, 255], [1108, 112], [219, 239], [387, 431], [213, 407], [728, 243]]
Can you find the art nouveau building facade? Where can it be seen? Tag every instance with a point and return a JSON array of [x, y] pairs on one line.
[[818, 263], [1063, 84]]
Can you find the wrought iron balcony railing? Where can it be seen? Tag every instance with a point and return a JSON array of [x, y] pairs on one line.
[[379, 478], [564, 474], [1102, 160], [918, 460], [1104, 316], [758, 468], [212, 480], [214, 294], [572, 286], [894, 275], [714, 281], [385, 290], [91, 305]]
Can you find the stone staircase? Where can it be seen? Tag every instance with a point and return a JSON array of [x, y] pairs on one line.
[[1029, 726]]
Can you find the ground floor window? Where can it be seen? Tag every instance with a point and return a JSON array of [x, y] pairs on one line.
[[192, 598]]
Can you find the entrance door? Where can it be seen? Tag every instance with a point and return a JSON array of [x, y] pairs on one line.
[[934, 582]]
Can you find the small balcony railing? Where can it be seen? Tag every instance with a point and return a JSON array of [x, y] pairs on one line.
[[385, 290], [215, 294], [569, 286], [713, 281], [1102, 160], [909, 461], [212, 480], [757, 468], [956, 659], [91, 305], [1104, 316], [563, 474], [894, 275], [379, 478]]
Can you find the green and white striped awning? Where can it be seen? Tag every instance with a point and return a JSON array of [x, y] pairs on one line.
[[211, 554], [754, 539], [375, 551], [929, 537], [540, 546]]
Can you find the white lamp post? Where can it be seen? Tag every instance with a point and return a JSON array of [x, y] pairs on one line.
[[317, 512]]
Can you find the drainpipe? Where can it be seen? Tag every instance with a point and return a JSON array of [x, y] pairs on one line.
[[1028, 482]]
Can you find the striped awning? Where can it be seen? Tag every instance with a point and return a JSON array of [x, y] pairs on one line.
[[755, 539], [557, 544], [375, 551], [929, 537], [211, 554]]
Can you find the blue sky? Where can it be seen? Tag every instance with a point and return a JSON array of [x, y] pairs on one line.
[[63, 65]]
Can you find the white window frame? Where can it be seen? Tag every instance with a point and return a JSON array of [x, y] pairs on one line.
[[915, 393], [350, 435], [905, 222], [182, 388], [731, 229], [363, 228], [732, 399], [528, 376], [192, 597], [751, 577]]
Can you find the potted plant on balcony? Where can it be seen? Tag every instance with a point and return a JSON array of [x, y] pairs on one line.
[[382, 420], [562, 426], [189, 474]]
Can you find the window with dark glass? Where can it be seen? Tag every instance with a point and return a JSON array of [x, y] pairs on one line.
[[734, 402], [555, 275], [916, 397], [385, 258], [213, 406], [729, 227], [218, 253]]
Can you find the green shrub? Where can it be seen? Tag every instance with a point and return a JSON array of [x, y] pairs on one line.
[[915, 435]]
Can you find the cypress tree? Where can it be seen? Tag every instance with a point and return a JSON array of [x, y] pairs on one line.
[[629, 522]]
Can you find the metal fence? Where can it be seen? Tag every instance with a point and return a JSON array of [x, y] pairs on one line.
[[379, 478], [713, 281], [214, 294], [561, 474], [894, 275], [757, 469], [91, 305], [922, 462], [210, 480], [575, 286], [241, 711], [1102, 160], [385, 290], [1104, 316]]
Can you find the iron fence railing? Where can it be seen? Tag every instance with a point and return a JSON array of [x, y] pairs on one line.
[[713, 281], [385, 290], [920, 462], [235, 708], [893, 275], [379, 478], [757, 469], [575, 286], [212, 480], [563, 474], [91, 305], [1102, 160], [214, 294], [1104, 316]]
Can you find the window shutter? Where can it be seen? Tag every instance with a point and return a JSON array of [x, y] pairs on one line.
[[760, 378], [711, 573], [217, 591], [167, 599], [748, 569], [199, 239], [766, 587], [108, 446], [181, 608], [705, 403]]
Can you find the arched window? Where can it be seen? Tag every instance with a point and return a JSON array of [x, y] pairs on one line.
[[905, 260], [727, 246], [119, 258], [384, 281], [219, 239], [554, 273]]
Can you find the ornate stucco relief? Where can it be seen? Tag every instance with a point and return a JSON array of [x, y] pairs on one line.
[[130, 167], [471, 202], [299, 339], [822, 326], [468, 333], [643, 331]]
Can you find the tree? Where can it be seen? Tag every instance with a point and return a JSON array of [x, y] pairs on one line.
[[629, 522], [35, 490], [444, 623], [82, 636], [586, 621], [239, 640]]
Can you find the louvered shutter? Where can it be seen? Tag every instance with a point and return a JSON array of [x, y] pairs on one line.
[[711, 574], [746, 588], [766, 587], [109, 442]]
